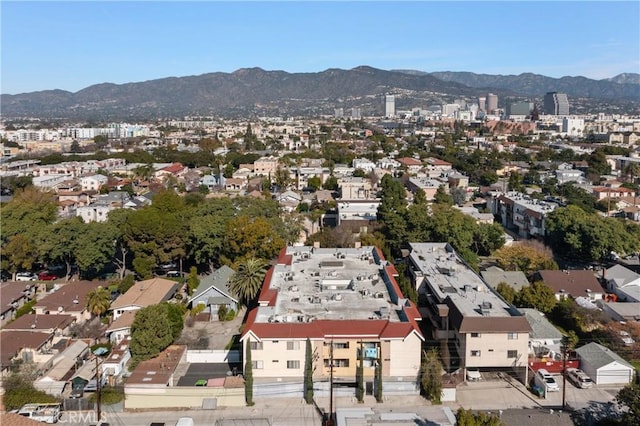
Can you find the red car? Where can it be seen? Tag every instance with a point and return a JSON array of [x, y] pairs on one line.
[[47, 276]]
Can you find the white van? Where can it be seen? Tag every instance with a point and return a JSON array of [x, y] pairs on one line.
[[545, 380], [185, 421]]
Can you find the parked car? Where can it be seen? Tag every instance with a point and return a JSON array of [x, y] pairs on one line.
[[473, 375], [544, 379], [579, 378], [5, 276], [47, 276], [201, 382], [26, 276], [174, 274]]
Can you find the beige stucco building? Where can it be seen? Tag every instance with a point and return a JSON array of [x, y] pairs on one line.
[[346, 302], [475, 326]]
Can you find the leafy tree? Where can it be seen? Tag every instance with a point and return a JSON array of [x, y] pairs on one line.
[[515, 182], [247, 280], [360, 375], [29, 211], [331, 183], [192, 280], [538, 295], [151, 333], [206, 231], [507, 292], [458, 196], [359, 173], [59, 242], [98, 300], [431, 379], [175, 314], [527, 256], [19, 390], [126, 283], [248, 375], [442, 197], [247, 237], [308, 372], [488, 238], [18, 254], [95, 246], [629, 397], [468, 418]]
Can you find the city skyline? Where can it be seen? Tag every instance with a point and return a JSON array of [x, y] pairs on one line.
[[73, 45]]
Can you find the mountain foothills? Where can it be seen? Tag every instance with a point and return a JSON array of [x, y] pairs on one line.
[[256, 92]]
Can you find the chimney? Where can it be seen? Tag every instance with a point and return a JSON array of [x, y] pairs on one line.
[[316, 244]]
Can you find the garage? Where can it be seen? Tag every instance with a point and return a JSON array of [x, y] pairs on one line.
[[604, 366]]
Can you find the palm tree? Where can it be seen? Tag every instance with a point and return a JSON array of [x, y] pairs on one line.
[[98, 300], [247, 280]]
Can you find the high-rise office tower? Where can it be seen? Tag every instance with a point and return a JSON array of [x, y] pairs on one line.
[[556, 103], [389, 106], [482, 103], [492, 102]]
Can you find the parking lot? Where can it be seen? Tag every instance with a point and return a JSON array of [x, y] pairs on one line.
[[494, 392], [205, 371]]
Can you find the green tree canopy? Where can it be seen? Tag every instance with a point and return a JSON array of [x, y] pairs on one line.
[[98, 300], [152, 331]]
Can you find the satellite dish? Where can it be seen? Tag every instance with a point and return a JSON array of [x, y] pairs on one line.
[[75, 301], [60, 309]]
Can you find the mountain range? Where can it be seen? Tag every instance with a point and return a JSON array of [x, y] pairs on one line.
[[251, 92]]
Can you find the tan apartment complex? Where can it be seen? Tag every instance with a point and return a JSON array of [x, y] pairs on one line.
[[345, 301], [475, 326]]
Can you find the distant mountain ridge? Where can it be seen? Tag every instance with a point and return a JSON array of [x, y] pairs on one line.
[[253, 91]]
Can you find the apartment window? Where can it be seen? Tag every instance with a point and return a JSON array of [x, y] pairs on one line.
[[512, 354], [475, 353], [475, 334], [256, 365], [293, 345], [295, 364], [337, 362], [256, 346], [341, 345], [512, 336]]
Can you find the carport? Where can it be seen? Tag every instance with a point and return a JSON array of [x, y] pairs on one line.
[[206, 371]]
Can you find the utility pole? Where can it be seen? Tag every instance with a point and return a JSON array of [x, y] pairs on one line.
[[98, 390], [564, 375], [329, 421]]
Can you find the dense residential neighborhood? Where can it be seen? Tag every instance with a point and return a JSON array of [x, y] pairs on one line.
[[430, 254]]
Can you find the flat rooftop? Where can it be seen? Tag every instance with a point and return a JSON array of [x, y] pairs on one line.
[[448, 276], [331, 284]]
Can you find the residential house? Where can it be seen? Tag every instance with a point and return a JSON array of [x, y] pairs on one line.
[[412, 165], [61, 367], [214, 292], [99, 209], [114, 365], [545, 338], [603, 192], [486, 218], [57, 324], [120, 328], [235, 184], [604, 366], [347, 302], [69, 299], [143, 294], [175, 169], [93, 182], [12, 296], [623, 282], [363, 164], [620, 311], [483, 331], [494, 276], [289, 200], [26, 346], [572, 283]]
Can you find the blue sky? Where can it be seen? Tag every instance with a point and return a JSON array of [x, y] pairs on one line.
[[72, 45]]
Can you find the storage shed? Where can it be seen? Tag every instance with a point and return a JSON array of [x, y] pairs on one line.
[[604, 366]]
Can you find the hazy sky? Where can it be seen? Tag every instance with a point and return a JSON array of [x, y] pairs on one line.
[[71, 45]]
